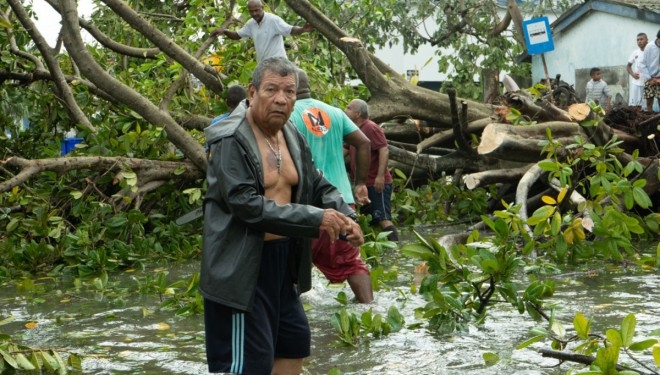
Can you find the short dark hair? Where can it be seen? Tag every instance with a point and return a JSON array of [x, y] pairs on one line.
[[277, 65], [642, 34], [594, 70], [235, 94], [658, 34]]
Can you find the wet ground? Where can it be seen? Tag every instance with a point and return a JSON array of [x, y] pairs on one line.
[[127, 334]]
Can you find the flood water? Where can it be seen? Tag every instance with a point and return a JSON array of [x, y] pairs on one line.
[[126, 333]]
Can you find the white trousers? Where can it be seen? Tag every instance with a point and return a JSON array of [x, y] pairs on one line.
[[636, 96]]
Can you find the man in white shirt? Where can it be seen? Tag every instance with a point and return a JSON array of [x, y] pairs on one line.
[[649, 70], [636, 92], [266, 30]]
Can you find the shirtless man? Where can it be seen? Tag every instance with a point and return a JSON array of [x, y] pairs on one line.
[[265, 201]]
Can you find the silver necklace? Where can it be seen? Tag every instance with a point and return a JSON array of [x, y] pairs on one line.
[[278, 154]]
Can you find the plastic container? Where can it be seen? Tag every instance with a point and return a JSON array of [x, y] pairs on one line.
[[69, 144]]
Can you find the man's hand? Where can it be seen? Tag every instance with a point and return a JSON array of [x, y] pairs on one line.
[[307, 27], [336, 223], [361, 195], [379, 183], [355, 234], [217, 31], [635, 75]]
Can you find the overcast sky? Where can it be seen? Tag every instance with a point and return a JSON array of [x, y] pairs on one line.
[[49, 20]]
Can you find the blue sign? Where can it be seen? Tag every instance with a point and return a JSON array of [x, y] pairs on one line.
[[538, 36]]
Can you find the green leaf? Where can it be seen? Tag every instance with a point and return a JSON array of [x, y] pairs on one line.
[[541, 214], [656, 355], [628, 329], [367, 318], [440, 250], [417, 251], [549, 166], [180, 170], [490, 359], [400, 174], [422, 239], [614, 337], [36, 360], [60, 362], [13, 224], [9, 359], [342, 298], [539, 331], [530, 341], [23, 362], [642, 345], [116, 221], [477, 277], [395, 319], [558, 329], [6, 24], [581, 325], [49, 362], [641, 198], [490, 266], [556, 223]]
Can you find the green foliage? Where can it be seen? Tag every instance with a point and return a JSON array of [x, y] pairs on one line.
[[412, 205], [594, 172], [607, 348], [462, 281], [17, 357], [351, 328], [372, 250]]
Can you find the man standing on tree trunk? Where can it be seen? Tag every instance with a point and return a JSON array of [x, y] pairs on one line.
[[265, 201], [266, 30], [326, 128], [649, 69], [379, 180]]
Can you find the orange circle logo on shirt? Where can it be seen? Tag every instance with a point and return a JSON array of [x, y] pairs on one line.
[[316, 121]]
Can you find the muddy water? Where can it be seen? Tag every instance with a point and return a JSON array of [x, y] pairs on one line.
[[121, 332]]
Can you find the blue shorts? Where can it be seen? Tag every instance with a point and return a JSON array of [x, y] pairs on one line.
[[241, 342], [380, 207]]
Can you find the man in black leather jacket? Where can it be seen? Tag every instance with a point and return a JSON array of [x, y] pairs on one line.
[[266, 200]]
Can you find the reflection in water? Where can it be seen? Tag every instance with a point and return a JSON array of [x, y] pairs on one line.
[[133, 337]]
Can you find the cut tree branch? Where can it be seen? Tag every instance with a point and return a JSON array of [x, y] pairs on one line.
[[111, 44], [49, 56], [146, 169], [124, 94], [203, 72]]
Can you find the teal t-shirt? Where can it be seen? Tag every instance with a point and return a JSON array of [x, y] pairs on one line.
[[325, 126]]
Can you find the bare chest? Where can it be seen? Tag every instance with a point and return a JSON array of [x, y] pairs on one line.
[[280, 174]]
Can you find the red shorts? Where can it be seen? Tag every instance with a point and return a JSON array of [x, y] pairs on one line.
[[337, 260]]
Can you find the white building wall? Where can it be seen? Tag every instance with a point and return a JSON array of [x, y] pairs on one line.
[[597, 39]]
